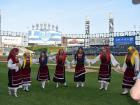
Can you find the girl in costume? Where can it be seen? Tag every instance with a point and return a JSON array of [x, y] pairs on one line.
[[26, 71], [106, 58], [59, 75], [14, 72], [43, 72], [79, 75], [130, 68]]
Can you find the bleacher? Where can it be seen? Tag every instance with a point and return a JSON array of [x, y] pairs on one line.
[[120, 50]]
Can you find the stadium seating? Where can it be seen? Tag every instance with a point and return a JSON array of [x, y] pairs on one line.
[[120, 50]]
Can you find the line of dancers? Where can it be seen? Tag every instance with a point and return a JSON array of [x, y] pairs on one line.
[[19, 73]]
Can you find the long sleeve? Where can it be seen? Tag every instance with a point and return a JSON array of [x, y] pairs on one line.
[[21, 61], [113, 60], [124, 67], [52, 58], [87, 60], [34, 61], [67, 63], [137, 63], [95, 60], [73, 61], [12, 66]]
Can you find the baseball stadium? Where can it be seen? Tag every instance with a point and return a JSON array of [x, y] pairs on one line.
[[49, 65]]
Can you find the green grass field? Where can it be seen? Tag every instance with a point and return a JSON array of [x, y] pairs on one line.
[[89, 95]]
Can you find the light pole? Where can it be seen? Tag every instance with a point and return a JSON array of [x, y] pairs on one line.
[[87, 31], [111, 23]]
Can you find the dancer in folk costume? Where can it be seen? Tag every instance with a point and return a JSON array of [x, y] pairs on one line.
[[14, 73], [43, 72], [26, 71], [106, 58], [59, 76], [130, 68], [79, 75]]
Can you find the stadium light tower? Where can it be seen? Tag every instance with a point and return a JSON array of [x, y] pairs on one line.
[[37, 26], [45, 26], [56, 28], [49, 26], [111, 23], [53, 27], [33, 27], [87, 31], [41, 26]]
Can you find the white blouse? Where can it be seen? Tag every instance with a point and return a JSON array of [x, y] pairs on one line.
[[113, 60], [12, 66], [34, 61]]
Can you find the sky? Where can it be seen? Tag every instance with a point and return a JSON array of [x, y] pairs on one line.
[[69, 15]]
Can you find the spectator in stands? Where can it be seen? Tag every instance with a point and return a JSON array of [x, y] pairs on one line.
[[14, 73], [130, 69], [106, 59]]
